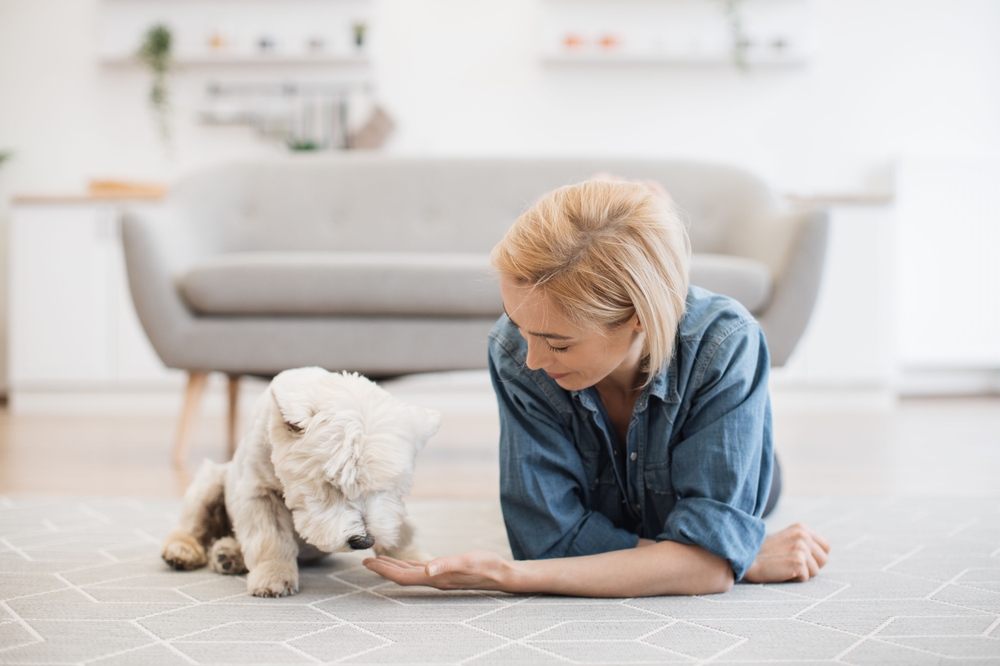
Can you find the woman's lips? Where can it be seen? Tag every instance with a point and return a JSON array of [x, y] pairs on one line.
[[557, 375]]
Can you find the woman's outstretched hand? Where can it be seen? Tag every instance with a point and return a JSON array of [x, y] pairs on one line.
[[796, 553], [477, 570]]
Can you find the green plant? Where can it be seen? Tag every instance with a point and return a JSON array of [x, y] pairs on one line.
[[359, 30], [4, 156], [155, 52], [737, 35], [302, 145]]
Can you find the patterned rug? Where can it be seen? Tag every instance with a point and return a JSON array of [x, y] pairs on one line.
[[909, 582]]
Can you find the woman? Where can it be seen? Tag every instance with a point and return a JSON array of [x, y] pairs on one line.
[[635, 447]]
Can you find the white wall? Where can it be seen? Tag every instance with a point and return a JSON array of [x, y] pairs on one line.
[[889, 77], [461, 76]]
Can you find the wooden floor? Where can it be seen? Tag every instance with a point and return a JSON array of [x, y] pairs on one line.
[[924, 447]]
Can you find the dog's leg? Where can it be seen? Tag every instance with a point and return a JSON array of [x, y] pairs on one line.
[[266, 533], [203, 519]]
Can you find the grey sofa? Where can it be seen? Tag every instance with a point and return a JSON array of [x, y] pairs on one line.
[[380, 264]]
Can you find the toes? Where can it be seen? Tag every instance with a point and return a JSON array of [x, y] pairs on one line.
[[227, 557], [272, 582], [183, 553]]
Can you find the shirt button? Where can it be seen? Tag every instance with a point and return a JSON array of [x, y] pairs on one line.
[[633, 456], [637, 507], [615, 451]]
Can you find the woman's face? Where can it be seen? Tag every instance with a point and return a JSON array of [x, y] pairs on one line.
[[576, 358]]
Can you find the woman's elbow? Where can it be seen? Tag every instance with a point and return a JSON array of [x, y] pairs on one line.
[[715, 577], [724, 580], [719, 579]]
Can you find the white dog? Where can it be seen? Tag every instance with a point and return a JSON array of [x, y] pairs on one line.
[[323, 469]]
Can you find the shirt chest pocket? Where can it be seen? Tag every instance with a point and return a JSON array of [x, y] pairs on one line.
[[657, 480], [598, 469]]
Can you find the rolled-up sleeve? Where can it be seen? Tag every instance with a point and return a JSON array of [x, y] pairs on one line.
[[722, 459], [542, 481]]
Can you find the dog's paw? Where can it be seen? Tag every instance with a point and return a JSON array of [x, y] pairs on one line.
[[226, 557], [183, 552], [273, 580]]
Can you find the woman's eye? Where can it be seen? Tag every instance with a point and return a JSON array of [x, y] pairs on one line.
[[557, 350]]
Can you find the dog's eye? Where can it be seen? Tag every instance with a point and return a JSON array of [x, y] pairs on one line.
[[297, 429]]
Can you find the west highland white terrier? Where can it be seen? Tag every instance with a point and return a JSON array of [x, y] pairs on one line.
[[322, 469]]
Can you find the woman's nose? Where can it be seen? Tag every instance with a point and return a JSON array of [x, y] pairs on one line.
[[537, 357]]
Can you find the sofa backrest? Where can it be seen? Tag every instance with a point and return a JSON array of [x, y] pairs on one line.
[[382, 203]]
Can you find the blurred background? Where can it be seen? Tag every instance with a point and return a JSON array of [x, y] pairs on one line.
[[884, 113]]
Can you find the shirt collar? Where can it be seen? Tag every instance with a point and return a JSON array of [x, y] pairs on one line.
[[663, 386]]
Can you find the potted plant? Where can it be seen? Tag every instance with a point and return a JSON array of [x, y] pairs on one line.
[[156, 53]]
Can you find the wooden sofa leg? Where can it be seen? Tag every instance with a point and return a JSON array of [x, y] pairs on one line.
[[234, 406], [185, 429]]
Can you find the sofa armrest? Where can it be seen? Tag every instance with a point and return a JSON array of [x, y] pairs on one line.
[[796, 286], [153, 255]]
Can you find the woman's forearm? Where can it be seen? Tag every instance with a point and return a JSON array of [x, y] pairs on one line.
[[795, 553], [666, 567]]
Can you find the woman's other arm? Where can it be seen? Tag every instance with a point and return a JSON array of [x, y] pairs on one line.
[[796, 553]]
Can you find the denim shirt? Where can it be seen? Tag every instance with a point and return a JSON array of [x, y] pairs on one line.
[[696, 464]]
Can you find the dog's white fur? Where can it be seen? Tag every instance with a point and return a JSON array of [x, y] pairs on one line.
[[327, 458]]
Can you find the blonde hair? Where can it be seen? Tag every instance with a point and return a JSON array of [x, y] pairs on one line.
[[604, 251]]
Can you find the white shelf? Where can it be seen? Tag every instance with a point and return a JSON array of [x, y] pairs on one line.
[[228, 32], [209, 59], [678, 32], [764, 59]]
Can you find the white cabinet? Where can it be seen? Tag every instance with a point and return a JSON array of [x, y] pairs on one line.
[[73, 328], [61, 295]]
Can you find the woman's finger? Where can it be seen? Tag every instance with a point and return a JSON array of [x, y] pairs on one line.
[[823, 543], [444, 565], [384, 569], [812, 565], [394, 565], [396, 571], [821, 554]]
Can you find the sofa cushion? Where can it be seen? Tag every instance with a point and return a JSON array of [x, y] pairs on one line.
[[746, 280], [343, 283], [399, 283]]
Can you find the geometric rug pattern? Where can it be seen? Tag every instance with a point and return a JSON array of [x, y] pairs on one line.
[[910, 581]]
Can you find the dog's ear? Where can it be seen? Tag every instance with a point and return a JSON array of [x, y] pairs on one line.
[[293, 395], [342, 466], [426, 422]]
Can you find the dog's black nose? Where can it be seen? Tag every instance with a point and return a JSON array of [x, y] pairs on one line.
[[361, 542]]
